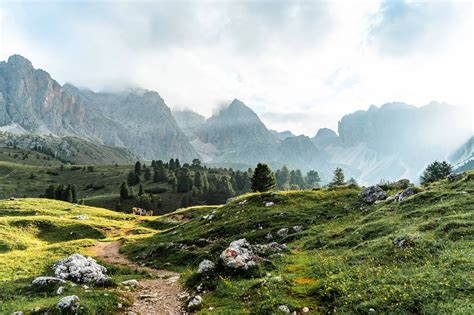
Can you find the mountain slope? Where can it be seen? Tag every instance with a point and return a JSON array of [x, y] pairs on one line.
[[404, 257], [463, 157], [394, 141], [239, 135], [137, 120]]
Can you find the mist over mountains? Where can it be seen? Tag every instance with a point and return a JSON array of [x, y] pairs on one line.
[[393, 141]]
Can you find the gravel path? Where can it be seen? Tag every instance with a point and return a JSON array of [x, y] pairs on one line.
[[158, 296]]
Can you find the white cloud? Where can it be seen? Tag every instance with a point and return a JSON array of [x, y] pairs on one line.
[[315, 63]]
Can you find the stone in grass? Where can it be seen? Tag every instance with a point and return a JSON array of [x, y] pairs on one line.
[[454, 177], [284, 309], [372, 194], [82, 217], [269, 204], [410, 191], [43, 283], [239, 255], [70, 303], [205, 266], [80, 269], [130, 283], [195, 302], [60, 291], [282, 232]]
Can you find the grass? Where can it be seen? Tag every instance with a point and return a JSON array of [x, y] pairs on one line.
[[35, 233], [345, 260], [26, 173]]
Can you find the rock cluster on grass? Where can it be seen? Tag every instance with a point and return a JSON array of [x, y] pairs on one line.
[[372, 194], [242, 255], [43, 283], [410, 191], [454, 177], [239, 255], [206, 266], [284, 309], [78, 268], [69, 304], [282, 232]]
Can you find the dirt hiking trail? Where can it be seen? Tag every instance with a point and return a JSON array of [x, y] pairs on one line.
[[157, 296]]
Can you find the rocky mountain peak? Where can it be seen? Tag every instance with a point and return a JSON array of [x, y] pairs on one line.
[[19, 61]]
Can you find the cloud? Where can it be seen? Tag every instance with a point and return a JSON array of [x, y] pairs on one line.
[[299, 64], [404, 27]]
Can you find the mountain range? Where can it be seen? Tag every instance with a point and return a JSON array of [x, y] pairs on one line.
[[393, 141]]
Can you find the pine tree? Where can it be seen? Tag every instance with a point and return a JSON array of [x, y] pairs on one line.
[[173, 182], [185, 182], [133, 178], [177, 165], [205, 183], [172, 165], [138, 168], [74, 194], [198, 181], [313, 179], [263, 178], [284, 178], [124, 191], [352, 182], [147, 174], [68, 194], [140, 190], [338, 179], [50, 192], [225, 187], [435, 171]]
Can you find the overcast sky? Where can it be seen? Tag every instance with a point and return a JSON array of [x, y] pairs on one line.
[[300, 65]]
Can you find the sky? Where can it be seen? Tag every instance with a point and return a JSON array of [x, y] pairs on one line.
[[300, 65]]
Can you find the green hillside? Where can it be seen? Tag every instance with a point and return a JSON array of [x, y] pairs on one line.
[[413, 256], [35, 233]]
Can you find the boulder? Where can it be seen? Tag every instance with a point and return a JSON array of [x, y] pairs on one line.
[[69, 303], [454, 177], [269, 249], [239, 255], [282, 232], [410, 191], [269, 204], [297, 228], [78, 268], [372, 194], [205, 266], [195, 302], [43, 283]]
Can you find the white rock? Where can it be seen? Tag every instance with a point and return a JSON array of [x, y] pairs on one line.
[[82, 217], [195, 301], [18, 313], [269, 204], [282, 232], [284, 309], [45, 282], [205, 266], [305, 309], [78, 268], [60, 291], [297, 228], [69, 303], [130, 283], [239, 255]]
